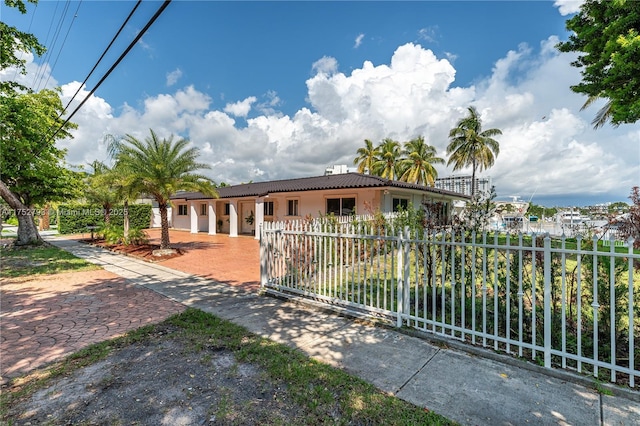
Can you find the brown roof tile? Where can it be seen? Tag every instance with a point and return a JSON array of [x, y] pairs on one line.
[[337, 181]]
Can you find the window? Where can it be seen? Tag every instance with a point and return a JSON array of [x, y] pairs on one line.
[[226, 209], [341, 206], [400, 204], [203, 209], [292, 207], [182, 209], [268, 208]]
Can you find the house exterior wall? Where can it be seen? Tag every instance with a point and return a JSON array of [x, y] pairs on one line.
[[180, 221], [230, 214]]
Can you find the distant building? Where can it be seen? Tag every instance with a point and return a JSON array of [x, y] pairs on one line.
[[336, 169], [462, 184]]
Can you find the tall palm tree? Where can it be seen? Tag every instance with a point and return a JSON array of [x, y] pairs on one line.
[[160, 168], [418, 165], [366, 157], [387, 159], [471, 146]]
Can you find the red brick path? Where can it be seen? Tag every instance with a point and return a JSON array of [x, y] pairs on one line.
[[43, 318]]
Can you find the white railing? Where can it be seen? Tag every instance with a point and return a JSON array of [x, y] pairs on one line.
[[561, 302]]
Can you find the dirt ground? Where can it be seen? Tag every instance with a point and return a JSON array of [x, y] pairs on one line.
[[163, 381]]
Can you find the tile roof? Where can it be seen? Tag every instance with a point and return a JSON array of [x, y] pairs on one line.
[[337, 181]]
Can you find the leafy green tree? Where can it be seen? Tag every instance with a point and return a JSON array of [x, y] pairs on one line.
[[606, 34], [618, 206], [387, 160], [471, 146], [366, 157], [33, 168], [541, 211], [418, 164], [160, 168], [13, 43]]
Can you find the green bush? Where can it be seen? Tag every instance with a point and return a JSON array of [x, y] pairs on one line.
[[75, 218], [114, 234]]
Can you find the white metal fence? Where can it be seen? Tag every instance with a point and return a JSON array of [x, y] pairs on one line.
[[560, 302]]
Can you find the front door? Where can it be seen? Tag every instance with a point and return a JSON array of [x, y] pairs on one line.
[[247, 217]]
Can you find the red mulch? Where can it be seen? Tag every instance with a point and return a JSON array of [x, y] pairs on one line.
[[140, 251]]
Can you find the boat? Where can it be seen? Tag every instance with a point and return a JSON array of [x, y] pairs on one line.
[[572, 217]]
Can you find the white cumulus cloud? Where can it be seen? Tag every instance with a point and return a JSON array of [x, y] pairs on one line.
[[568, 7], [241, 108], [548, 146], [173, 77]]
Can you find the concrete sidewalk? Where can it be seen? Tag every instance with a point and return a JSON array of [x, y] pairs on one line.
[[463, 386]]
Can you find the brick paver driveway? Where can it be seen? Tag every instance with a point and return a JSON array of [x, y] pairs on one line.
[[44, 318], [235, 261]]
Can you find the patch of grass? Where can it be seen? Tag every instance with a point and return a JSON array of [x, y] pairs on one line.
[[325, 395], [42, 259], [24, 386], [319, 389]]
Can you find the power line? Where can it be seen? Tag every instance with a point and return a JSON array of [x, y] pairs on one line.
[[102, 56], [56, 34], [133, 43], [64, 41]]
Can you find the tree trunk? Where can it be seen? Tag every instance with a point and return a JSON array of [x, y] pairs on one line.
[[44, 219], [164, 223], [27, 229], [125, 221], [473, 180], [106, 209]]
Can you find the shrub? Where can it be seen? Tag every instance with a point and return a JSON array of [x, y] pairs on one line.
[[75, 218]]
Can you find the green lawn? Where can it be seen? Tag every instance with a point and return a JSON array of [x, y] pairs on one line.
[[43, 259]]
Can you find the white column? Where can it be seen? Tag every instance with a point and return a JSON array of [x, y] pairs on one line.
[[213, 230], [233, 218], [259, 216], [193, 216]]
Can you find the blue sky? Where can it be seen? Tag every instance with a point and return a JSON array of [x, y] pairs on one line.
[[272, 90]]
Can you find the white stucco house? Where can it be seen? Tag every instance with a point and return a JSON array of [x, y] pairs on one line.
[[241, 209]]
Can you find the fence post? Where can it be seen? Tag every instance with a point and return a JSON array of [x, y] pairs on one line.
[[400, 278], [547, 301], [263, 257], [406, 273]]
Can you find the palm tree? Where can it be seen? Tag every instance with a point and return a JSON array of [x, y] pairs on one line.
[[99, 188], [471, 146], [387, 159], [160, 168], [603, 115], [366, 157], [124, 183], [418, 165]]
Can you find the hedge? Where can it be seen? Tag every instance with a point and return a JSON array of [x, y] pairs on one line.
[[75, 218]]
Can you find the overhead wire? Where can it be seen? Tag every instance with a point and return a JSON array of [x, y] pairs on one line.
[[64, 41], [40, 74], [102, 56], [116, 63]]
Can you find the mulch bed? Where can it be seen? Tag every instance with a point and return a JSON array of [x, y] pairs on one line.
[[139, 251]]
